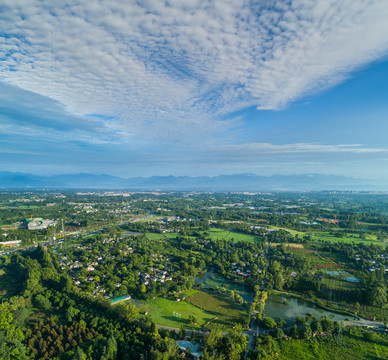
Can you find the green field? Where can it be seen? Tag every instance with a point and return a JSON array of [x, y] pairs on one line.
[[154, 237], [210, 310], [352, 347], [221, 234], [346, 238], [319, 260], [171, 235], [162, 312], [292, 232], [28, 207], [226, 312], [338, 284], [157, 236]]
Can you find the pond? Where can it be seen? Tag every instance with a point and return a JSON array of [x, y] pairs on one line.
[[277, 308], [213, 280]]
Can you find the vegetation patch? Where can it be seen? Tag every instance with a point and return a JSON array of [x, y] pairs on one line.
[[343, 236], [347, 347], [153, 236], [174, 313], [338, 284], [226, 312], [220, 234]]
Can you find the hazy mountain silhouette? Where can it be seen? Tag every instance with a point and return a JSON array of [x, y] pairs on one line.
[[240, 182]]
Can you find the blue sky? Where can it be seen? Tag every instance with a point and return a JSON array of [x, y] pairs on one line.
[[194, 87]]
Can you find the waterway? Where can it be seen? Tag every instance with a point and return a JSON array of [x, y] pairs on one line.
[[278, 306]]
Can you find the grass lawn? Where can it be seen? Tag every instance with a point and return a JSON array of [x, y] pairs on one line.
[[226, 312], [162, 310], [221, 234], [210, 310]]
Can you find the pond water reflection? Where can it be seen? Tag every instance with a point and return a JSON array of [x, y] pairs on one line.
[[288, 308]]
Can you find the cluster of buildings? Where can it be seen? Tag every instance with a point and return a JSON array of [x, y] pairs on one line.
[[38, 223], [329, 221], [238, 271], [158, 276], [376, 262], [12, 243]]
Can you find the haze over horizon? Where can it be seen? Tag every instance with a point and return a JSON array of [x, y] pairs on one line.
[[194, 87]]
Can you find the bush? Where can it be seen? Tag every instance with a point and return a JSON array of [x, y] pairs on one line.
[[267, 323]]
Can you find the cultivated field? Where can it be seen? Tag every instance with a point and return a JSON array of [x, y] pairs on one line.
[[346, 238], [227, 314]]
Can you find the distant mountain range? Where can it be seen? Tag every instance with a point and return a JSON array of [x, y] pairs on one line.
[[241, 182]]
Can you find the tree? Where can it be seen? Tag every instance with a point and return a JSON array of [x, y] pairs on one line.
[[316, 326], [110, 351], [126, 310], [279, 333], [65, 283], [327, 325], [278, 281], [71, 312], [192, 319], [267, 323], [307, 333], [295, 332], [154, 328], [182, 332], [357, 307], [79, 354], [42, 302], [378, 296], [143, 288]]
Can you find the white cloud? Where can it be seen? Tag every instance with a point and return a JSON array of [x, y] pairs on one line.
[[267, 148], [175, 69]]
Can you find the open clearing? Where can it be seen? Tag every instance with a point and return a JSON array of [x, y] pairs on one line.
[[221, 234], [210, 310], [154, 236], [292, 232], [346, 238], [162, 312], [288, 245]]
